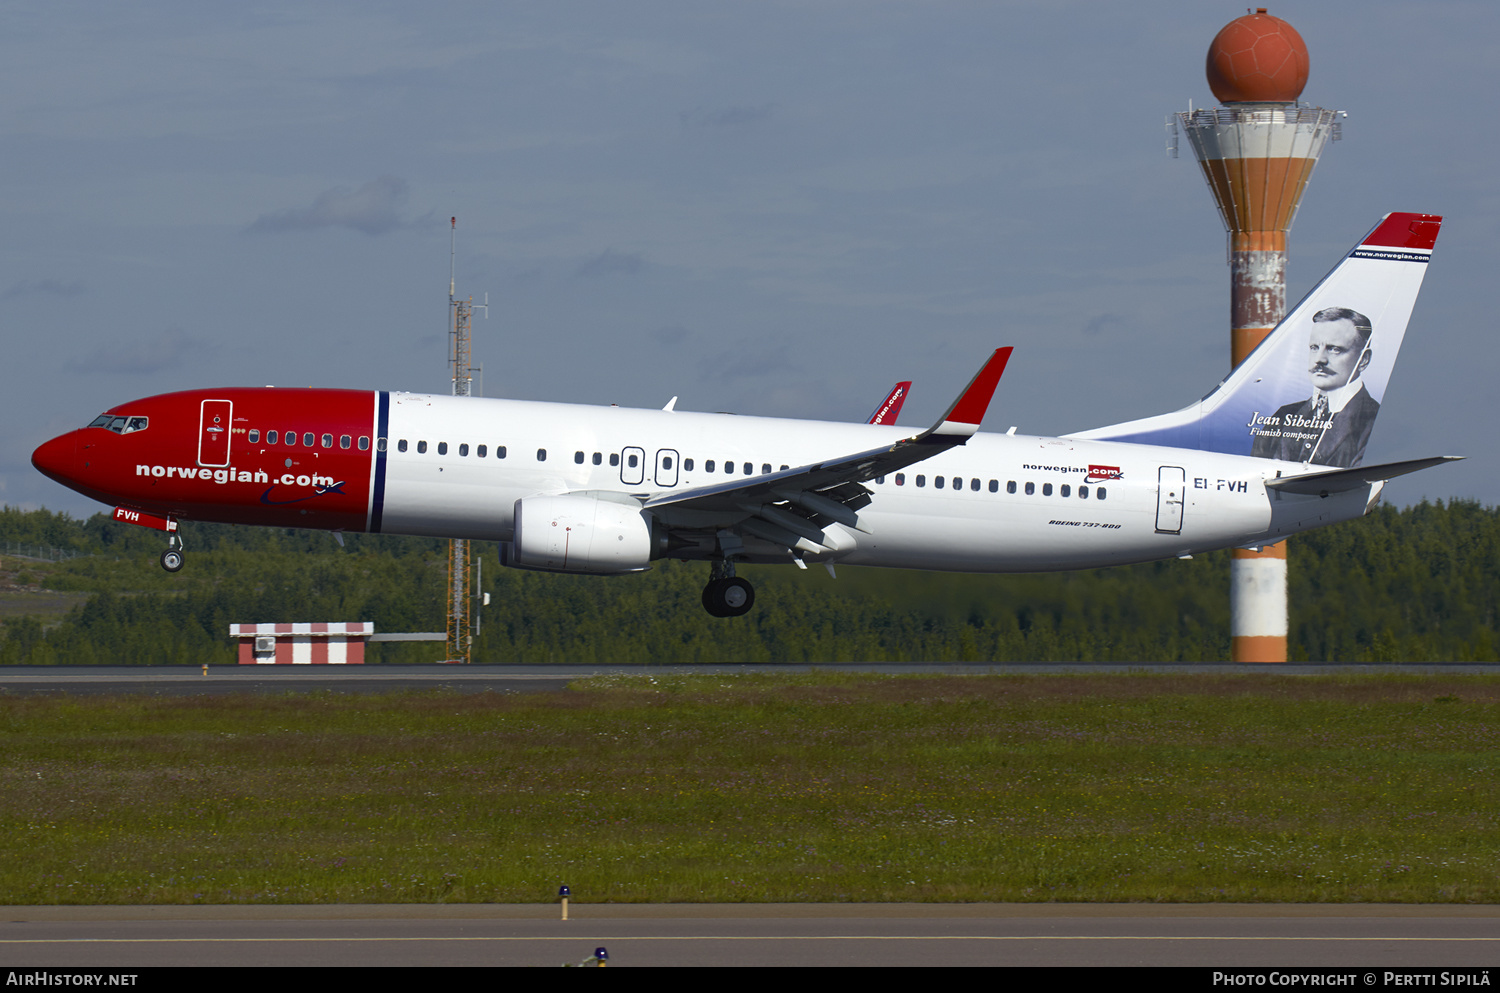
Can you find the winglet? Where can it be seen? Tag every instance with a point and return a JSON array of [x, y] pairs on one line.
[[890, 407], [968, 410]]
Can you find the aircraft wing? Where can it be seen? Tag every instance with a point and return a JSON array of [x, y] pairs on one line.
[[799, 502], [890, 407]]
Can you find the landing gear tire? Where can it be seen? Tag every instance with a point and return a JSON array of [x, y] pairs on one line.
[[171, 560], [732, 597]]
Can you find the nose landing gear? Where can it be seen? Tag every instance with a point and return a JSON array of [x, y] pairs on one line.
[[726, 595], [171, 559]]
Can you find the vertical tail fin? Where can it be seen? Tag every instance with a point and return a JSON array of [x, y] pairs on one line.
[[1311, 391]]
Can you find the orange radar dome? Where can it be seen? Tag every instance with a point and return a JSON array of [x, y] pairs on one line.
[[1257, 59]]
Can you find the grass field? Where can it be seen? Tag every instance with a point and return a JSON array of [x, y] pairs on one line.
[[822, 787]]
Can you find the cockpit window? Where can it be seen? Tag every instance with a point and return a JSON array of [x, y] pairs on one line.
[[119, 424]]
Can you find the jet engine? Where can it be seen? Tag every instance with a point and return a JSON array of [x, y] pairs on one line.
[[579, 533]]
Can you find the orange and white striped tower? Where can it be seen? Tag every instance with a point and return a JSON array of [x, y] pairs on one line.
[[1257, 149]]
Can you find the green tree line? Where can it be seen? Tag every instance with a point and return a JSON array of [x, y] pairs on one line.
[[1414, 584]]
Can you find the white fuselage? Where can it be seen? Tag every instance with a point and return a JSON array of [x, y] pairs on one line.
[[1040, 503]]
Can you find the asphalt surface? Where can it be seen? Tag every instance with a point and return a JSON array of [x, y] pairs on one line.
[[1363, 939], [540, 678]]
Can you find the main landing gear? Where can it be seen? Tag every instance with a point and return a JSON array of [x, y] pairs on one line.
[[726, 595], [171, 559]]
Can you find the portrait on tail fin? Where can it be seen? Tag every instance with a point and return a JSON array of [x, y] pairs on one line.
[[1332, 426]]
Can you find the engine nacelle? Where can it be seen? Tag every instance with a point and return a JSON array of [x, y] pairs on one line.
[[581, 534]]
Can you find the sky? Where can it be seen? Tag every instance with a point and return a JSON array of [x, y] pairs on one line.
[[769, 208]]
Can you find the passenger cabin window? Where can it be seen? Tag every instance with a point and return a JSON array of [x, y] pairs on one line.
[[614, 458], [379, 444], [1083, 492], [421, 448], [765, 469], [1099, 493], [687, 465], [291, 438], [364, 443], [598, 458], [632, 461], [442, 448], [749, 468], [401, 445], [937, 482], [921, 480], [1046, 489], [328, 441], [480, 451], [270, 437], [499, 451], [345, 441], [1065, 490], [307, 439], [1030, 489], [900, 479], [541, 455], [463, 450], [995, 486], [578, 458], [708, 466], [1010, 486], [254, 435]]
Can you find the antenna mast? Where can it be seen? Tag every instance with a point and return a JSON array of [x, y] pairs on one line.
[[460, 623]]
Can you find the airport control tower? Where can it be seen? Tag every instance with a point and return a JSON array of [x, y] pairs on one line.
[[1257, 149]]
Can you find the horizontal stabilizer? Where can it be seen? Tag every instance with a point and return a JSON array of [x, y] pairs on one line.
[[1339, 480]]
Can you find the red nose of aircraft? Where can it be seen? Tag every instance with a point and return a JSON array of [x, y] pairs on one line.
[[55, 459]]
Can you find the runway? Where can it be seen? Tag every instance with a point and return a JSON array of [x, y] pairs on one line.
[[1362, 939], [188, 680]]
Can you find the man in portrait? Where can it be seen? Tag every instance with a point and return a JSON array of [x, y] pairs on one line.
[[1331, 426]]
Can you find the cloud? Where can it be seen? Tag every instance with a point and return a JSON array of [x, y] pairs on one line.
[[729, 117], [44, 287], [672, 334], [611, 262], [139, 358], [727, 367], [1102, 323], [374, 208]]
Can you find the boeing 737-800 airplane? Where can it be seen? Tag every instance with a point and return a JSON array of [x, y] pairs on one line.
[[1274, 449]]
